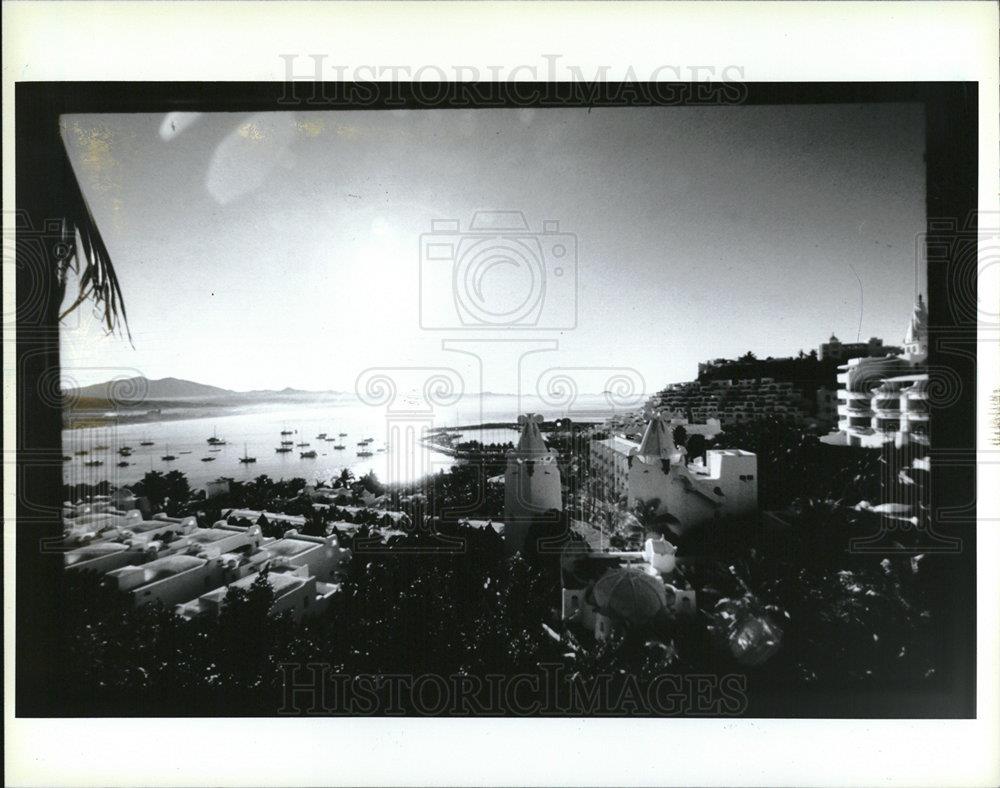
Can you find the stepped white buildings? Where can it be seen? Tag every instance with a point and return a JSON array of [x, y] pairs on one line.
[[175, 563], [884, 399]]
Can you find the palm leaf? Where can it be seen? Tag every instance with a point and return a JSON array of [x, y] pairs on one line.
[[81, 249]]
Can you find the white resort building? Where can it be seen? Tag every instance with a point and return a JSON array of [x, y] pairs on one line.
[[724, 485], [295, 591], [884, 399], [176, 563], [609, 463]]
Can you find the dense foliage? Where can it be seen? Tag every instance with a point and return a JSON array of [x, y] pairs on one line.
[[785, 605], [421, 604]]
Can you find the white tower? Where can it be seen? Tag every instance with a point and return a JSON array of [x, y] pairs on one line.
[[915, 341], [650, 465], [532, 484], [725, 485]]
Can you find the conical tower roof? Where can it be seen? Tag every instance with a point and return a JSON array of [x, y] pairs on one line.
[[657, 442], [531, 441]]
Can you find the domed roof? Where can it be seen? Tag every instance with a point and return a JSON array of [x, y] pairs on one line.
[[629, 594]]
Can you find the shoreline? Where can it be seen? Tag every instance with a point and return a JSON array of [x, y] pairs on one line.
[[92, 419]]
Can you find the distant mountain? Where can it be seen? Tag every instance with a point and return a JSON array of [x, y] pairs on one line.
[[169, 392], [137, 389]]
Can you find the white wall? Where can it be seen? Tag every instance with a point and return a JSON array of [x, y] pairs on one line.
[[527, 495]]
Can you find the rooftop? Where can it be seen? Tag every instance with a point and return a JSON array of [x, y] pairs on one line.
[[287, 547], [157, 570], [210, 535], [95, 550], [282, 583]]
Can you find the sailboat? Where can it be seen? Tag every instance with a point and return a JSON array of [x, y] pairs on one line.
[[168, 456], [246, 458], [215, 440]]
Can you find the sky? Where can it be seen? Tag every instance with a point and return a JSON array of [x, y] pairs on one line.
[[285, 249]]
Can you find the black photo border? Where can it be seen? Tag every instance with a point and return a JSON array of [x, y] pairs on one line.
[[951, 113]]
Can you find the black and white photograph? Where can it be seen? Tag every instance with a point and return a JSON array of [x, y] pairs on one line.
[[348, 399]]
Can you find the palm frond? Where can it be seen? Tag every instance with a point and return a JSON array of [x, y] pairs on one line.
[[81, 250]]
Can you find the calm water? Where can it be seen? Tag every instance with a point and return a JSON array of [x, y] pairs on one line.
[[259, 427]]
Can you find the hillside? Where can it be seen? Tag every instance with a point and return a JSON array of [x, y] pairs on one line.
[[141, 389]]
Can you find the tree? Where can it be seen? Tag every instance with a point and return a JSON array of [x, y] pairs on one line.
[[371, 483], [178, 491], [680, 435], [696, 446], [152, 486], [78, 250], [315, 524]]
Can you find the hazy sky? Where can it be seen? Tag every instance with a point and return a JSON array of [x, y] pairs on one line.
[[283, 249]]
